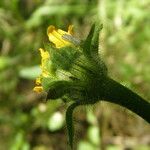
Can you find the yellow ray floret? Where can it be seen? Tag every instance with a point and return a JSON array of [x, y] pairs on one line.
[[44, 60], [55, 36], [38, 81], [45, 56], [38, 89]]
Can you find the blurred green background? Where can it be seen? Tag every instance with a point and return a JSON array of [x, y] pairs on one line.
[[26, 121]]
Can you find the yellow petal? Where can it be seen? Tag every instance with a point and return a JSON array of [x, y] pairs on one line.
[[38, 81], [61, 32], [38, 89], [55, 36], [44, 54], [70, 29], [45, 73], [45, 57]]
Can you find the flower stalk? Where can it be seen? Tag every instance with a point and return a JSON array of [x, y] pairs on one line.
[[121, 95]]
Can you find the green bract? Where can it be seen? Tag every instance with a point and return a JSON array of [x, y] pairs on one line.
[[78, 66]]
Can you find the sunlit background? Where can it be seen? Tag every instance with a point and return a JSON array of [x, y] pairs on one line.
[[26, 121]]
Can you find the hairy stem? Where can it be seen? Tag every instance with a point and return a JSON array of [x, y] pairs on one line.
[[116, 93]]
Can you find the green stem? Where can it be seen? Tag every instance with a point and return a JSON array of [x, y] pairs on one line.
[[116, 93]]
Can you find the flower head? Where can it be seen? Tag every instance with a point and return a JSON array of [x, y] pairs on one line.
[[71, 70]]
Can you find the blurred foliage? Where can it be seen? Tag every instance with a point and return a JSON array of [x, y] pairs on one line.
[[26, 121]]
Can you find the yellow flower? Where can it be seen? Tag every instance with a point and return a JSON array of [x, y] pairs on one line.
[[55, 36]]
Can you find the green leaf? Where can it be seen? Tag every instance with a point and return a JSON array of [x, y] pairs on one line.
[[112, 147], [91, 118], [94, 135], [42, 12], [56, 121], [4, 62], [84, 145], [30, 72]]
